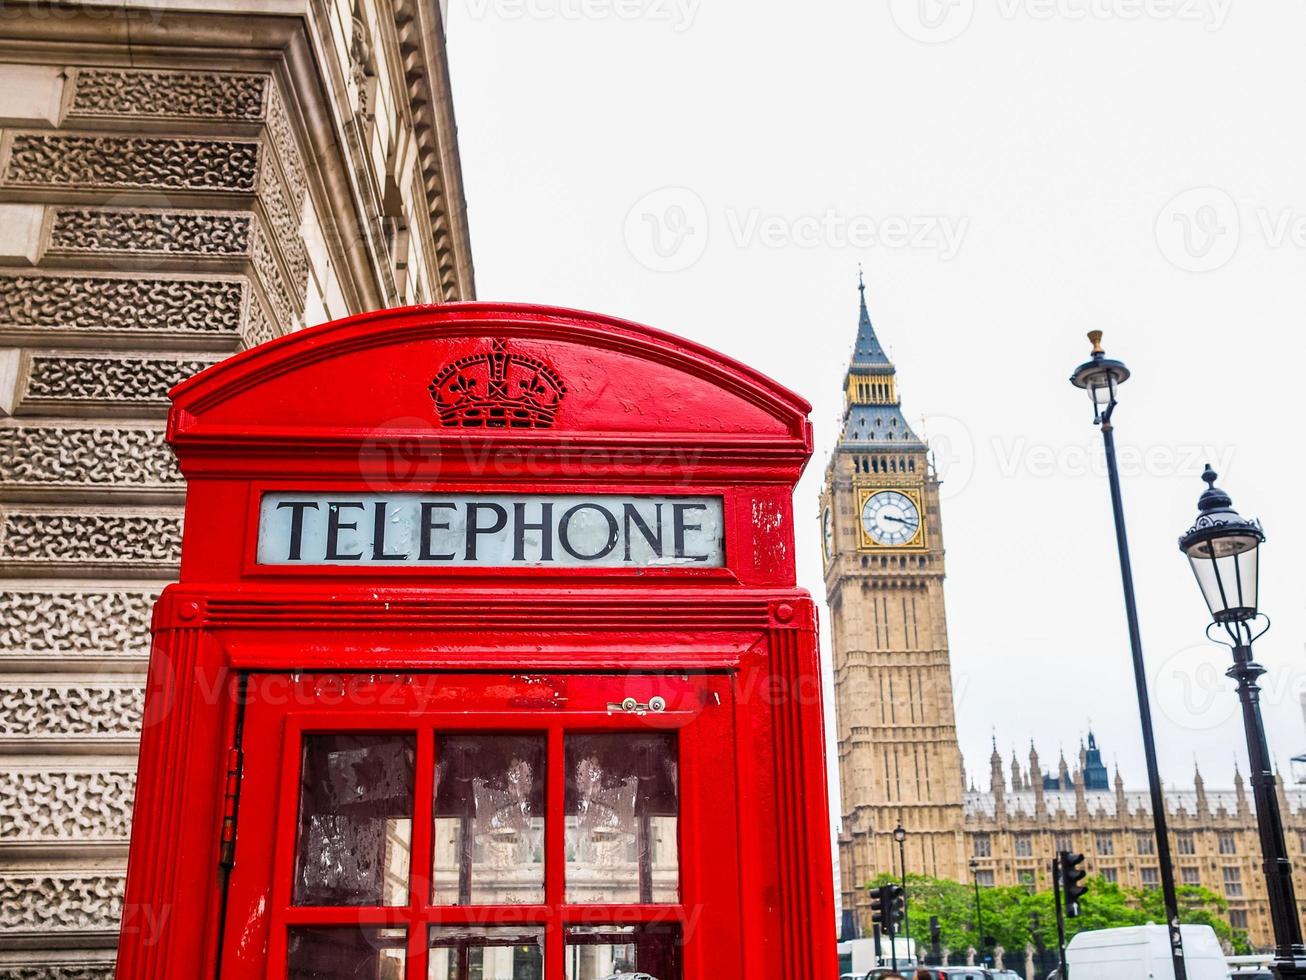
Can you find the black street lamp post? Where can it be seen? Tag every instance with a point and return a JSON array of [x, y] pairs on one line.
[[1223, 549], [1102, 377], [979, 915], [900, 835]]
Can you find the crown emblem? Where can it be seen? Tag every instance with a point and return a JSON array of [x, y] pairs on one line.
[[498, 389]]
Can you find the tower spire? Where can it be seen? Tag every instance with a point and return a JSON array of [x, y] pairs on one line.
[[872, 410], [867, 351]]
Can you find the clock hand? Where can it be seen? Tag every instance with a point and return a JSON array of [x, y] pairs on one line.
[[890, 517]]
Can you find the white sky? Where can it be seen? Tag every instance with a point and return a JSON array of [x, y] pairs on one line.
[[1132, 165]]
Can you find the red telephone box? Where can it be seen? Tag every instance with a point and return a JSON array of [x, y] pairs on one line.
[[486, 661]]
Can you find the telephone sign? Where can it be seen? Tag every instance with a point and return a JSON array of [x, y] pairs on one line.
[[491, 530]]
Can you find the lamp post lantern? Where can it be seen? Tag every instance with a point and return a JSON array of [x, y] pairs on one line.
[[900, 835], [1101, 377], [1223, 549]]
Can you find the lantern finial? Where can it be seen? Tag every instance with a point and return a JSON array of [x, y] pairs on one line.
[[1095, 338], [1212, 498]]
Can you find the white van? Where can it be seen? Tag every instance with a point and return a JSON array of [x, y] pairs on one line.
[[1143, 953], [857, 956]]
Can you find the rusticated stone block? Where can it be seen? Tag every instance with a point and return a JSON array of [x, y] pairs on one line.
[[48, 805], [59, 902], [195, 233], [70, 711], [76, 623], [126, 303], [98, 456], [47, 970], [93, 539], [106, 378], [147, 162], [169, 94]]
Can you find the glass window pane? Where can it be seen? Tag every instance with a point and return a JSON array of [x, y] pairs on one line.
[[622, 807], [489, 819], [603, 952], [355, 820], [486, 953], [345, 953]]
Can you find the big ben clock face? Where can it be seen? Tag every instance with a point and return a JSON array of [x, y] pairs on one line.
[[827, 533], [891, 519]]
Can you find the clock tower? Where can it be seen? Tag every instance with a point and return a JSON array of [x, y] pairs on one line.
[[882, 540]]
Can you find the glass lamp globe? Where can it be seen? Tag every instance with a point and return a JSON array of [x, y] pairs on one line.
[[1223, 549]]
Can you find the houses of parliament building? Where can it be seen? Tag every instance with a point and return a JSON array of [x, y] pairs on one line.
[[899, 758]]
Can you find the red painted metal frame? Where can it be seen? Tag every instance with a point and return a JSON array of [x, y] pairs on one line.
[[344, 407], [708, 910]]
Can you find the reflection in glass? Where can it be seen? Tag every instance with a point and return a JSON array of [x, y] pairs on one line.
[[489, 819], [355, 820], [600, 952], [345, 953], [622, 811], [486, 953]]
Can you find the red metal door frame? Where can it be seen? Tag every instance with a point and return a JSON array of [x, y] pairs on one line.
[[259, 896]]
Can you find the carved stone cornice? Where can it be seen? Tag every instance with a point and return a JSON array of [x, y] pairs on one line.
[[420, 35]]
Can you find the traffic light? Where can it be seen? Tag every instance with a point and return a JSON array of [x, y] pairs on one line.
[[897, 906], [1071, 876], [880, 907], [887, 906]]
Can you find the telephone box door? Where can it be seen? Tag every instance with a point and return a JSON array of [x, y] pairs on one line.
[[482, 827]]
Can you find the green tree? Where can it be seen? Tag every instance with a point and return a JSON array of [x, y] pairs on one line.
[[1014, 916]]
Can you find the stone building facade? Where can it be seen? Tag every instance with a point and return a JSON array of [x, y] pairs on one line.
[[179, 179], [1014, 827], [899, 759]]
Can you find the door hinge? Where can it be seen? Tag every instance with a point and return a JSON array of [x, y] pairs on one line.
[[227, 853]]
